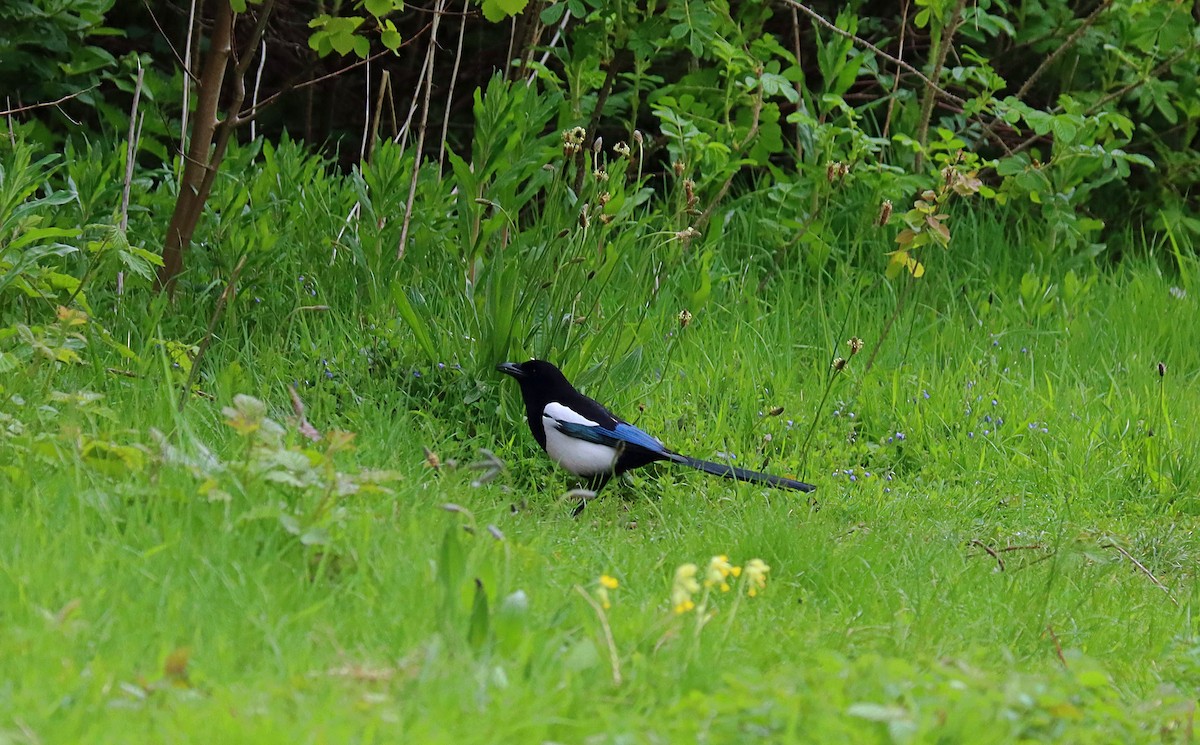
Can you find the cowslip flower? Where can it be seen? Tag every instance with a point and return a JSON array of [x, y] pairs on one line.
[[684, 587], [606, 583], [719, 569], [756, 576]]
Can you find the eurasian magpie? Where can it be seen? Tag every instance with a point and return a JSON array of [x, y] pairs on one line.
[[591, 442]]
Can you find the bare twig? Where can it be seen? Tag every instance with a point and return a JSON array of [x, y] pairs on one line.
[[262, 61], [462, 28], [1102, 102], [385, 84], [131, 147], [990, 551], [1057, 645], [412, 186], [366, 138], [247, 114], [868, 45], [187, 78], [946, 42], [887, 120], [1143, 570], [47, 104], [1067, 43]]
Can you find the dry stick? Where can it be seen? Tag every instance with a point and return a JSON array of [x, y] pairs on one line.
[[868, 45], [990, 129], [462, 27], [402, 136], [385, 82], [1144, 571], [187, 77], [799, 85], [412, 186], [56, 102], [990, 551], [262, 61], [614, 659], [1057, 645], [558, 32], [130, 151], [362, 149], [1115, 94], [183, 63], [708, 211], [246, 114], [887, 121], [927, 103], [208, 335]]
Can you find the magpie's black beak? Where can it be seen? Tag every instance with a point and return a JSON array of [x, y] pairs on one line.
[[511, 368]]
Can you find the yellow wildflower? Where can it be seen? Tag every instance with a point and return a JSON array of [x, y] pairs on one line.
[[719, 569], [606, 583], [756, 576], [684, 587]]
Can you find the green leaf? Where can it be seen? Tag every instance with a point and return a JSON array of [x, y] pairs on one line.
[[1065, 129], [239, 6], [477, 631], [553, 13], [415, 324], [497, 10], [451, 563], [379, 8], [391, 39]]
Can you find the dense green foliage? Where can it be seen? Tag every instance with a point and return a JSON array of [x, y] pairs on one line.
[[295, 502]]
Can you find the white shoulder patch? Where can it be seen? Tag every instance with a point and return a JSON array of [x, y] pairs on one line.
[[560, 413]]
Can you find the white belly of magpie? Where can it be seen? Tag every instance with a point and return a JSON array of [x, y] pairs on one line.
[[580, 457]]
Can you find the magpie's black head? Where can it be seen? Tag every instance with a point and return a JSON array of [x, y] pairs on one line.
[[534, 374]]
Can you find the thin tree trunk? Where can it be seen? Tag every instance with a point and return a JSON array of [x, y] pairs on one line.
[[204, 124]]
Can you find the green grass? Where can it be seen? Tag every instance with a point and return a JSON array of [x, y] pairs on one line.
[[143, 598]]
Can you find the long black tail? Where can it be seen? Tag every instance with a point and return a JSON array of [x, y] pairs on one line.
[[741, 474]]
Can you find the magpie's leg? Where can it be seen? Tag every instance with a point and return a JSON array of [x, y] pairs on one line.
[[594, 485]]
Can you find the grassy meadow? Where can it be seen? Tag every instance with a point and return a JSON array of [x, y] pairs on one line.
[[1002, 546]]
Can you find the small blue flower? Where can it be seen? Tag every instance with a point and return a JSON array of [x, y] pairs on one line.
[[1045, 430], [900, 436], [995, 402], [441, 365], [416, 373], [971, 435], [987, 417], [1024, 350], [853, 477], [887, 490], [925, 394]]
